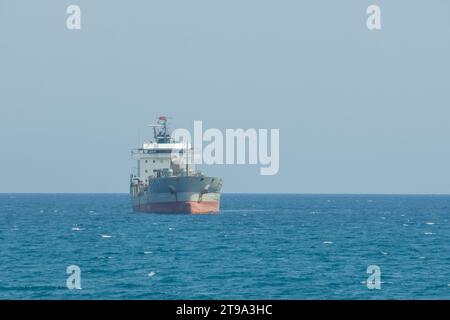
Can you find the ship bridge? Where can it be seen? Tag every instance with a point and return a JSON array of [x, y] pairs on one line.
[[162, 155]]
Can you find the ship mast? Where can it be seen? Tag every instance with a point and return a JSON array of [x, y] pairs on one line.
[[187, 158], [160, 130]]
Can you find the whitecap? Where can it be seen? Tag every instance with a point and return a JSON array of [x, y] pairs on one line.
[[76, 229], [151, 274], [429, 223], [242, 210], [328, 242], [148, 252], [428, 233], [106, 236], [171, 228], [384, 253]]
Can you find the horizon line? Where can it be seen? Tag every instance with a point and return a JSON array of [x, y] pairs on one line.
[[235, 193]]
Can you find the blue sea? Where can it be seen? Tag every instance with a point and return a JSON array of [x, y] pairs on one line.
[[258, 247]]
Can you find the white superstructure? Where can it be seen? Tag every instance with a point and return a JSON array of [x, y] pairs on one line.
[[162, 156]]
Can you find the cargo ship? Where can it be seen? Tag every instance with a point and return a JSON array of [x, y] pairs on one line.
[[162, 183]]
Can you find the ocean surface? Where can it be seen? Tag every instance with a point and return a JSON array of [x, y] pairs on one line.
[[258, 247]]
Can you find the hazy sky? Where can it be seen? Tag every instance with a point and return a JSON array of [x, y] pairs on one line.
[[359, 111]]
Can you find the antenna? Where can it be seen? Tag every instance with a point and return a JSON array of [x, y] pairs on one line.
[[139, 135]]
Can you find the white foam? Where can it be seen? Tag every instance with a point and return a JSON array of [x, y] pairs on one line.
[[328, 242], [171, 228], [429, 223], [148, 252], [76, 229], [151, 274], [241, 210], [384, 253], [106, 236], [428, 233]]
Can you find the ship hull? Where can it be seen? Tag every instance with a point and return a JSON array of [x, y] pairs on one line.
[[189, 207], [191, 194]]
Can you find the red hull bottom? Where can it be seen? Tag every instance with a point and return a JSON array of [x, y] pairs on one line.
[[180, 207]]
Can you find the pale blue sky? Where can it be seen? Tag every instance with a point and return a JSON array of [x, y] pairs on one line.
[[358, 111]]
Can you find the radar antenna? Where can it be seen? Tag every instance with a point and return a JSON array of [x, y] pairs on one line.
[[160, 130]]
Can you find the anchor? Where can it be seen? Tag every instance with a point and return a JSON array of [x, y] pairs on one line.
[[173, 191], [205, 190]]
